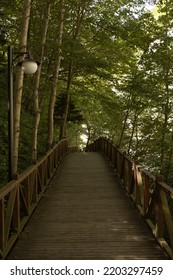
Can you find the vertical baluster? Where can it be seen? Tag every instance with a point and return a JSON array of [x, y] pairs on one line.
[[2, 226], [159, 211]]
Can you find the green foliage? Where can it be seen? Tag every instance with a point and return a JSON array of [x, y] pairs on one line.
[[74, 115], [121, 83]]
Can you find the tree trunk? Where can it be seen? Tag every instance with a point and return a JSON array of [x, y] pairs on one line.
[[89, 136], [132, 133], [124, 127], [19, 84], [164, 129], [76, 29], [169, 164], [137, 141], [167, 105], [36, 87], [65, 115], [55, 78]]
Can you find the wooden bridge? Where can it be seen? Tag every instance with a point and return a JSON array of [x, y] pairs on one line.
[[96, 206]]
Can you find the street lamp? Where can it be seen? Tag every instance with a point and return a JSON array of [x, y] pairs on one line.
[[29, 66]]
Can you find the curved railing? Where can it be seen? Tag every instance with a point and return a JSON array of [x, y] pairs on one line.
[[153, 198], [19, 197]]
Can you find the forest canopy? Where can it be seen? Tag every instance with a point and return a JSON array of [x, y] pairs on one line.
[[106, 70]]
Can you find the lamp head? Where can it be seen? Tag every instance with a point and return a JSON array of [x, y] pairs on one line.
[[29, 66]]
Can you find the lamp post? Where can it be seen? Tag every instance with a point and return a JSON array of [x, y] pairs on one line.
[[29, 66]]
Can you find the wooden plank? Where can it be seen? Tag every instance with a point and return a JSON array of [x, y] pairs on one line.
[[86, 214]]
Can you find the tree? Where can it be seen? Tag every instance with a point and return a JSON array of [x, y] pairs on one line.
[[77, 18], [55, 76], [19, 81], [110, 75], [46, 17]]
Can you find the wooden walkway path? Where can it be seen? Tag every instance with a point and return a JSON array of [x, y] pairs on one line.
[[86, 214]]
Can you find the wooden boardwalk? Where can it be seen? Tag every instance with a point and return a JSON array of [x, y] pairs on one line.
[[86, 214]]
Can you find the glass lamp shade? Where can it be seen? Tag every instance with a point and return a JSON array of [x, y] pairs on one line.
[[29, 66]]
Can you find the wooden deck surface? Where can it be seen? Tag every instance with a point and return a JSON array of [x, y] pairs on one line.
[[86, 214]]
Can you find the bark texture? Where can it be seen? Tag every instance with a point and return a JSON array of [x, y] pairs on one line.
[[19, 83]]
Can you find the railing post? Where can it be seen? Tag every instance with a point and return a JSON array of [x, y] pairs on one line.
[[138, 184], [103, 145], [115, 159], [159, 211], [94, 146], [112, 155], [146, 194], [110, 151], [1, 226], [167, 215], [16, 211], [132, 181], [122, 167]]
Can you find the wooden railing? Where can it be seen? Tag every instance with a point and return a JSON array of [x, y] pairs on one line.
[[19, 197], [150, 194]]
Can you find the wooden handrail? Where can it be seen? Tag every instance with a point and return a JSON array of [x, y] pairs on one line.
[[152, 197], [19, 197]]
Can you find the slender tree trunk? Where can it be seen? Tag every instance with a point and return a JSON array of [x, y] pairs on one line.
[[55, 78], [124, 126], [169, 165], [125, 121], [89, 135], [167, 93], [65, 115], [19, 83], [36, 87], [132, 133], [76, 29], [113, 132], [165, 124], [137, 140]]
